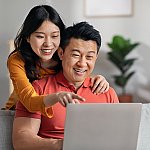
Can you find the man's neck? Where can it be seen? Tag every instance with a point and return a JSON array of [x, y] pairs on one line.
[[77, 85]]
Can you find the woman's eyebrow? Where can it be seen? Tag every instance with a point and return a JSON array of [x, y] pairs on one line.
[[39, 32]]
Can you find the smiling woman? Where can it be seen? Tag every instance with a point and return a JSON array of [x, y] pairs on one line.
[[45, 41], [25, 65]]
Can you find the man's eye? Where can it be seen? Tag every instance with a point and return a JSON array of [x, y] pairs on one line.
[[75, 55], [89, 57]]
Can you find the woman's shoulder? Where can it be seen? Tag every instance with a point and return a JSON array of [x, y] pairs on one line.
[[15, 58], [14, 55]]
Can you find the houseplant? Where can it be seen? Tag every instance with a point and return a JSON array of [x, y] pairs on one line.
[[120, 48]]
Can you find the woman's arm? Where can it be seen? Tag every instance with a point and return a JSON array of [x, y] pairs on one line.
[[22, 87], [63, 98], [25, 136]]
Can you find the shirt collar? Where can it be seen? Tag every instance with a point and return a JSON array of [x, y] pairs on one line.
[[60, 78]]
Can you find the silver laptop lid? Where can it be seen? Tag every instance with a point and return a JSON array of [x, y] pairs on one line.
[[102, 126]]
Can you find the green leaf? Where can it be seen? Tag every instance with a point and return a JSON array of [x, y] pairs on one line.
[[119, 49], [121, 80]]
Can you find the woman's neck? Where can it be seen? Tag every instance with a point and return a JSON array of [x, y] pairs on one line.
[[49, 64]]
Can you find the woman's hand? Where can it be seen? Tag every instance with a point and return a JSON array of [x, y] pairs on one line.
[[69, 97], [63, 98], [99, 84]]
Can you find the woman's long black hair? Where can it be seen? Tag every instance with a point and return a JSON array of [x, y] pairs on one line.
[[33, 21]]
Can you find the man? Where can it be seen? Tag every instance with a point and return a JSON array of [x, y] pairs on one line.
[[80, 46]]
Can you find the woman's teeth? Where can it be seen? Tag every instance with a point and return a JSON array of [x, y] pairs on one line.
[[46, 50]]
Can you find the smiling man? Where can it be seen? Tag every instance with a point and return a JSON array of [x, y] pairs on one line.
[[78, 52], [81, 56]]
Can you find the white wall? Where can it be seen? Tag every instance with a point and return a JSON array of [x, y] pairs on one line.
[[12, 14]]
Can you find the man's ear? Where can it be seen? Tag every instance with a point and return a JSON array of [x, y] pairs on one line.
[[60, 53]]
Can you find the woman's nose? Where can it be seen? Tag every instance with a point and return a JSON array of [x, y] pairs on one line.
[[47, 42]]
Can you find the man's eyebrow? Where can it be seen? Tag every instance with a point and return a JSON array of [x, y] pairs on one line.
[[75, 50], [92, 52]]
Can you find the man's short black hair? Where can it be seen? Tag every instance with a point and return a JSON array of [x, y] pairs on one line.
[[82, 30]]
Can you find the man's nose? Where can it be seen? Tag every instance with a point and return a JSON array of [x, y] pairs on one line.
[[82, 62]]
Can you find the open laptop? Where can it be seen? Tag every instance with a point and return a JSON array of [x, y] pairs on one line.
[[102, 126]]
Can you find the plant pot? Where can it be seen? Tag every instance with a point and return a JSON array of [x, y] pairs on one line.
[[125, 98]]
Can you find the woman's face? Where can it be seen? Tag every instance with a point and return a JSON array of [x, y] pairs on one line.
[[45, 40]]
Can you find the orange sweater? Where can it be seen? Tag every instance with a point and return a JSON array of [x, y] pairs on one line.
[[23, 89]]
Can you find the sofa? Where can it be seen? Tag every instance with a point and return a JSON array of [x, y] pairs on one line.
[[7, 116]]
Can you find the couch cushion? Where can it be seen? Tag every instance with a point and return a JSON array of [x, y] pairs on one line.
[[6, 123]]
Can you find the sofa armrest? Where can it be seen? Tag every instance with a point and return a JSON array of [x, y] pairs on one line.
[[6, 124], [144, 130]]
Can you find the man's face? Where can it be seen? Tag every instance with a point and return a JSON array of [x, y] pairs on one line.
[[78, 60]]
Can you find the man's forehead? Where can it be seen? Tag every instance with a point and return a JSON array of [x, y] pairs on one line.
[[82, 45]]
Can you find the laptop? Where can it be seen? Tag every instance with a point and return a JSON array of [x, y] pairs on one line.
[[102, 126]]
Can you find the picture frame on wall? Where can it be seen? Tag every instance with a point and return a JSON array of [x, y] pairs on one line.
[[108, 8]]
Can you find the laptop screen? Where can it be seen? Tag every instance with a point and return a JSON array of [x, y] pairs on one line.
[[102, 126]]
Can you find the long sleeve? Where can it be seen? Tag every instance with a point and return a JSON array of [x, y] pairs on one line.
[[23, 89]]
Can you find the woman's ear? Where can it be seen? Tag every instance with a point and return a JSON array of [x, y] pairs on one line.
[[60, 53], [28, 39]]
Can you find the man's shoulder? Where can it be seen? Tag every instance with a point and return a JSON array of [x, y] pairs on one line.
[[111, 89]]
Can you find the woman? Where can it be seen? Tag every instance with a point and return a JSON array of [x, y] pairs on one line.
[[35, 56]]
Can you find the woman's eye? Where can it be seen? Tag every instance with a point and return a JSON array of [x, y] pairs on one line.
[[39, 36], [54, 36]]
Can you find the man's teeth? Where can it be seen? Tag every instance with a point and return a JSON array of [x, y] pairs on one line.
[[79, 70]]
